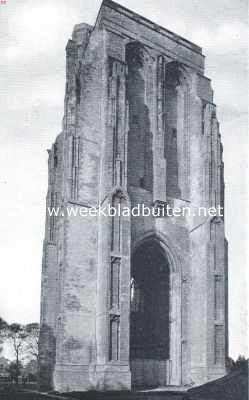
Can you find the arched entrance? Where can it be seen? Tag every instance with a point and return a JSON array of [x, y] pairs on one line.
[[149, 321]]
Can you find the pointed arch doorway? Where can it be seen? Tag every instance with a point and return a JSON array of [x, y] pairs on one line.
[[150, 316]]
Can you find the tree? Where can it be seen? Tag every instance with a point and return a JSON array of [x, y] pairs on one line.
[[241, 363], [30, 370], [15, 370], [16, 335], [23, 340], [230, 363], [32, 341], [3, 324], [3, 329]]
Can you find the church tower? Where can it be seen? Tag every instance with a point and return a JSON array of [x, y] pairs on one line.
[[134, 301]]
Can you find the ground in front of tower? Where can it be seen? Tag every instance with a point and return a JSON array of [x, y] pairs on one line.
[[233, 386]]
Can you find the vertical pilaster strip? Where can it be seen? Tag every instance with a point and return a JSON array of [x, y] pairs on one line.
[[206, 126], [214, 161], [219, 166], [159, 161], [126, 132], [183, 136], [75, 168], [118, 126], [186, 152]]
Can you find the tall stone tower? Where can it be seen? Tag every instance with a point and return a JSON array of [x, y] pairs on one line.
[[142, 300]]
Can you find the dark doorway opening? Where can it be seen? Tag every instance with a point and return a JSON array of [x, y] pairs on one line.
[[149, 323]]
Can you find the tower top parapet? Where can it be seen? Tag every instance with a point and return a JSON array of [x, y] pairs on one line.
[[116, 18]]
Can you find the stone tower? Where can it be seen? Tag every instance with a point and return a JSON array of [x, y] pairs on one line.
[[142, 300]]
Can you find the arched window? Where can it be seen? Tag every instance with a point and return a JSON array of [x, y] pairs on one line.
[[137, 297]]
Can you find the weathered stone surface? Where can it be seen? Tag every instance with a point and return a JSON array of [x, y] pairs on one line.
[[139, 127]]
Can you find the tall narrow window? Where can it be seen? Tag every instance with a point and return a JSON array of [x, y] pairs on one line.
[[78, 87], [114, 338], [203, 117], [75, 167], [114, 96], [114, 127], [219, 345], [55, 156], [53, 197], [116, 224], [116, 132], [218, 314], [137, 297], [118, 171], [115, 283]]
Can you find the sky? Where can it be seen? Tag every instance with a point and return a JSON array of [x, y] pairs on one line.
[[33, 36]]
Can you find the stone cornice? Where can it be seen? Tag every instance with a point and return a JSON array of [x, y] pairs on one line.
[[115, 17]]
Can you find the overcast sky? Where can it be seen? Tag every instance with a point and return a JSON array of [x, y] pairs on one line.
[[33, 36]]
